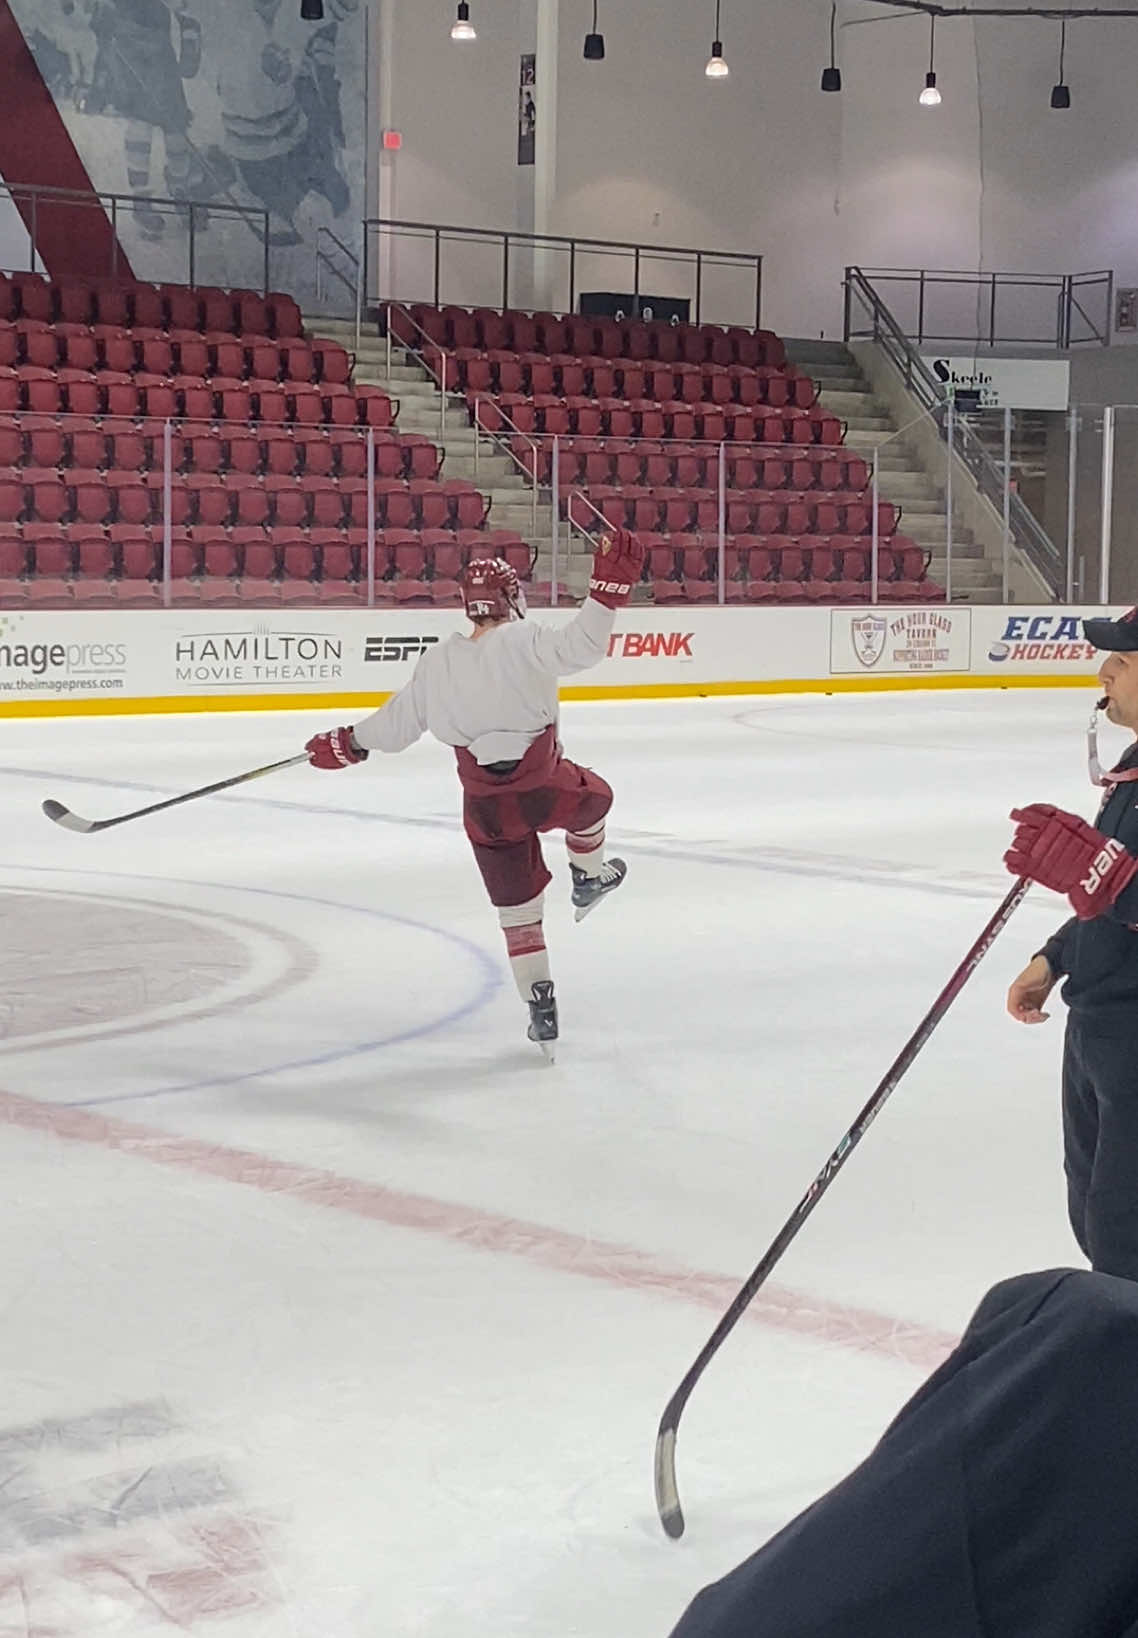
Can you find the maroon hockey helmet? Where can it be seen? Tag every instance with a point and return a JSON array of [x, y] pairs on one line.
[[491, 590]]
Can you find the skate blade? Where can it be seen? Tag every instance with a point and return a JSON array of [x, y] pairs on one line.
[[580, 911], [548, 1051]]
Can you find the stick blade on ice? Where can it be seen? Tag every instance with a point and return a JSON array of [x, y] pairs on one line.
[[667, 1493], [64, 816]]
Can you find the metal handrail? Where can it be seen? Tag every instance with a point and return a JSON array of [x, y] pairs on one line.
[[511, 238], [32, 194], [1026, 530], [989, 284], [498, 443], [353, 284], [439, 378]]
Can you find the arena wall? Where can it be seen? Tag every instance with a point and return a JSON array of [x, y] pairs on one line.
[[60, 663]]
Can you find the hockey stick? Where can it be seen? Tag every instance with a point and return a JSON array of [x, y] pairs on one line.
[[71, 821], [667, 1495]]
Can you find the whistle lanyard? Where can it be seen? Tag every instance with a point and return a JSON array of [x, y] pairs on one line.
[[1116, 776]]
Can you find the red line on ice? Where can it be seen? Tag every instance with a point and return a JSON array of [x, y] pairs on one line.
[[479, 1230]]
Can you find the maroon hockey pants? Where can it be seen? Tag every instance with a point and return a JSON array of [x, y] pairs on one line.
[[504, 813]]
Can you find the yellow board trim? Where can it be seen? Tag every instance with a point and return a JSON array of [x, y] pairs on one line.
[[177, 703]]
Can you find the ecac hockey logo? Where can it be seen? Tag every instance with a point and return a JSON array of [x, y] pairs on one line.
[[1046, 637], [396, 648], [867, 634]]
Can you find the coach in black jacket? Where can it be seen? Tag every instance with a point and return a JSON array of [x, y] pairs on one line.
[[1097, 952], [1002, 1502]]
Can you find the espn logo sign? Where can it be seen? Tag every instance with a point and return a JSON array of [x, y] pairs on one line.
[[650, 645], [396, 648]]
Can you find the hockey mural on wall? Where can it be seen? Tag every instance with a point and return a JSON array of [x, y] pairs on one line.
[[235, 102]]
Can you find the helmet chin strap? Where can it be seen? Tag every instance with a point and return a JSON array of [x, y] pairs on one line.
[[1117, 776]]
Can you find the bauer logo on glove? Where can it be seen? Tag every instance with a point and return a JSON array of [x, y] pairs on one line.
[[1061, 851], [617, 565]]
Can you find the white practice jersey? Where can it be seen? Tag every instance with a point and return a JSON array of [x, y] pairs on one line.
[[495, 693]]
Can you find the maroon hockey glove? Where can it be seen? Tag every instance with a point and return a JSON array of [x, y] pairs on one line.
[[336, 749], [617, 566], [1061, 851]]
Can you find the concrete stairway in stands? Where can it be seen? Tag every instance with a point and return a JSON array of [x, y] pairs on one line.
[[846, 393], [420, 410]]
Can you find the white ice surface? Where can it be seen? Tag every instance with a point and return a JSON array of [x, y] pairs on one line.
[[356, 1320]]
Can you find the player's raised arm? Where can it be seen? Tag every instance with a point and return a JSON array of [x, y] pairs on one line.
[[617, 565]]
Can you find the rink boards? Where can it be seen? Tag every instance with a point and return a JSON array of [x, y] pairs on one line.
[[69, 663]]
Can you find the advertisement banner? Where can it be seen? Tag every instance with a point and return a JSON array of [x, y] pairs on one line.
[[1006, 383], [94, 661], [46, 656], [898, 640], [1045, 641]]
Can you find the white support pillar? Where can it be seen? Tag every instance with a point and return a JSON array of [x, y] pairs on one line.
[[1072, 496], [540, 280], [1107, 503], [382, 166]]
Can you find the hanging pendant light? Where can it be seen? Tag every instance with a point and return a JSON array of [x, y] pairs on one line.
[[594, 42], [930, 97], [832, 76], [462, 28], [717, 68], [1061, 92]]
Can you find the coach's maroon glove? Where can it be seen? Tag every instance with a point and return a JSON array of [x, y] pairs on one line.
[[1063, 852], [617, 565], [336, 749]]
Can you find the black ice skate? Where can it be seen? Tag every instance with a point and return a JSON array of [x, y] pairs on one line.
[[590, 890], [543, 1017]]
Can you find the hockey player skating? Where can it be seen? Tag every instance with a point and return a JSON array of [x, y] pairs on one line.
[[493, 696], [1096, 866]]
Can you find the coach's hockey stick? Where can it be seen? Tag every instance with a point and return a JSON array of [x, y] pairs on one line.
[[667, 1495], [71, 821]]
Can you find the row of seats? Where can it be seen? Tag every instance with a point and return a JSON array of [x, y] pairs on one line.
[[134, 446], [569, 377], [38, 495], [485, 330], [780, 557], [795, 592], [246, 566], [757, 511], [135, 554], [177, 352], [644, 418], [659, 464], [110, 392], [129, 305]]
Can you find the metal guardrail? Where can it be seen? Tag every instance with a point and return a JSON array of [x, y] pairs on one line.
[[198, 216], [1027, 533], [334, 260], [1001, 306], [504, 447], [562, 257]]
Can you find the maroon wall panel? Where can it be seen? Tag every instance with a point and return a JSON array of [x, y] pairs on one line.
[[36, 147]]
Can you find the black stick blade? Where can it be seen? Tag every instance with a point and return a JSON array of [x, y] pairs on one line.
[[70, 821], [667, 1495]]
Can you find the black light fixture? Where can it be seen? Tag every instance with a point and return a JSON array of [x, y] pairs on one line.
[[832, 76], [1061, 93], [312, 11], [462, 28], [930, 96], [717, 68], [594, 42]]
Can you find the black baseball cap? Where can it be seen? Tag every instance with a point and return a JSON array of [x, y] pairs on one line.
[[1119, 636]]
